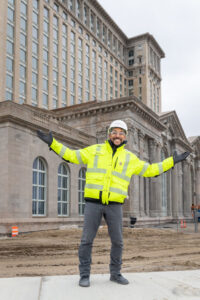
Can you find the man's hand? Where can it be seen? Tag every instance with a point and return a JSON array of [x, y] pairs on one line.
[[180, 157], [45, 137]]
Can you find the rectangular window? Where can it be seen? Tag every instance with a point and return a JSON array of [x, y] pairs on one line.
[[9, 64], [22, 56], [34, 48], [10, 14], [9, 47], [45, 41], [130, 83], [46, 13], [45, 70], [131, 62], [22, 40], [46, 26], [45, 100], [34, 94], [22, 88], [45, 55], [22, 72], [34, 78], [9, 81], [45, 84], [64, 68], [35, 4], [34, 63], [35, 18], [55, 76], [55, 21], [35, 33], [10, 31], [64, 82]]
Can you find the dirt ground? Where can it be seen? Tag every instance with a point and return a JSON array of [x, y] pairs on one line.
[[55, 252]]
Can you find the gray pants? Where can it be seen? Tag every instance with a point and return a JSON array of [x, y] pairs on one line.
[[113, 217]]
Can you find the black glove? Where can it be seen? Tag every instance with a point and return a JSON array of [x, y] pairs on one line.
[[45, 137], [179, 157]]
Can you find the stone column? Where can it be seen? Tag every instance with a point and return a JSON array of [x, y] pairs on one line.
[[141, 179], [101, 135], [74, 171], [159, 182], [134, 197], [197, 187], [134, 184], [180, 189], [187, 201], [174, 185], [153, 186]]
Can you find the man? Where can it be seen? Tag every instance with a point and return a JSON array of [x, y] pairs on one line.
[[109, 171]]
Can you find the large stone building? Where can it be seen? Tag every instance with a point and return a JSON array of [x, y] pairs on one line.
[[75, 71]]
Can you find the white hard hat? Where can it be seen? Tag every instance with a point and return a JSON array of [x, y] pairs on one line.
[[118, 124]]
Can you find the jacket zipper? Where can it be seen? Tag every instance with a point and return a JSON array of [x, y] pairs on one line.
[[115, 163]]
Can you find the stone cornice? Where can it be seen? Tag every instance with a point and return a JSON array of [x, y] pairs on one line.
[[173, 119], [95, 107], [35, 118], [106, 16], [196, 146], [181, 142], [147, 36]]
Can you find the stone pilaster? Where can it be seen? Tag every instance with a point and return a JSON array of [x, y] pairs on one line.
[[154, 206], [187, 189], [101, 135], [74, 191], [197, 187], [141, 179], [174, 184], [180, 189]]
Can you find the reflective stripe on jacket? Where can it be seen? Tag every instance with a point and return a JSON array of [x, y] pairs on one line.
[[110, 174]]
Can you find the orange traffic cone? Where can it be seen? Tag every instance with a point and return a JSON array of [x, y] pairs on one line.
[[184, 224], [14, 231], [181, 223]]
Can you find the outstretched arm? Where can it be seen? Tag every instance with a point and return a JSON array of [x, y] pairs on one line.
[[145, 169], [73, 156]]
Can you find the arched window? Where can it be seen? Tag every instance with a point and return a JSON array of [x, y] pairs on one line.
[[39, 190], [164, 188], [63, 190], [81, 186]]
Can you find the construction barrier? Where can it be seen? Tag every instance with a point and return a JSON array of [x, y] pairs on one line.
[[14, 231]]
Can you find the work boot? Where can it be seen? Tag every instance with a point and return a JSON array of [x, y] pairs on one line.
[[119, 279], [84, 281]]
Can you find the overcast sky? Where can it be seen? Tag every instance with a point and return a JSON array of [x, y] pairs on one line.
[[175, 24]]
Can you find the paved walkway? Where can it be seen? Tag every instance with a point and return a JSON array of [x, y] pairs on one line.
[[143, 286]]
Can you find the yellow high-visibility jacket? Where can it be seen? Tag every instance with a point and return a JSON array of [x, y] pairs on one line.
[[110, 174]]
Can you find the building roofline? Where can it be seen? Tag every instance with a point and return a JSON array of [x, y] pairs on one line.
[[151, 38], [36, 118], [108, 18], [174, 114], [132, 103]]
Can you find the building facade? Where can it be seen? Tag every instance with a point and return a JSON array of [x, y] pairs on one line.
[[38, 190], [67, 67], [61, 53]]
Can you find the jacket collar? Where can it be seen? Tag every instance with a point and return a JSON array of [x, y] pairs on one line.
[[114, 148]]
